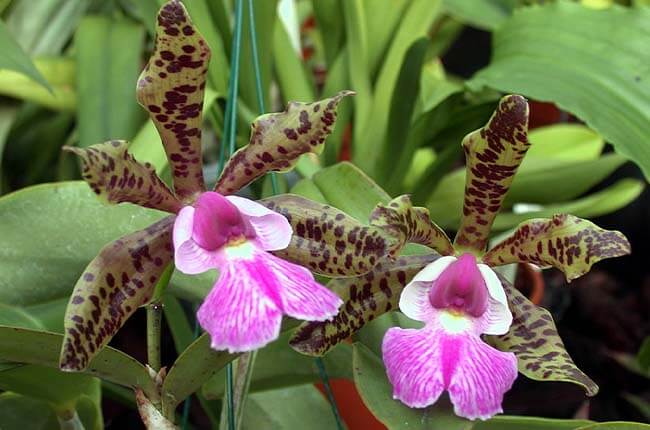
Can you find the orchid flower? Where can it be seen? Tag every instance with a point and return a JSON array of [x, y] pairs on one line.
[[212, 229], [477, 331]]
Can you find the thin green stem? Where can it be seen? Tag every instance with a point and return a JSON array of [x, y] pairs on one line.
[[328, 390], [230, 397], [154, 324]]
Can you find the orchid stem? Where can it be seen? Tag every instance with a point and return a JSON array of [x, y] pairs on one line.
[[154, 324], [328, 390], [70, 421]]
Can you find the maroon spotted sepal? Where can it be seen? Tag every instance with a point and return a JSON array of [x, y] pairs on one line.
[[278, 140], [118, 281], [171, 89]]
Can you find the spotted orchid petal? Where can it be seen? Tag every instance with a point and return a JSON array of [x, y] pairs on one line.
[[329, 242], [255, 288], [565, 242], [365, 298], [278, 140], [457, 307], [534, 339], [492, 156], [411, 224], [119, 280], [116, 177], [171, 89]]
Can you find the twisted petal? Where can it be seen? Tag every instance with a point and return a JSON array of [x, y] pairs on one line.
[[116, 177], [565, 242], [492, 155], [171, 89], [278, 140], [411, 224], [422, 363], [244, 309]]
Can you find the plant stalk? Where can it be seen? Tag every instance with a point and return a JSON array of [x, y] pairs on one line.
[[69, 420], [154, 324]]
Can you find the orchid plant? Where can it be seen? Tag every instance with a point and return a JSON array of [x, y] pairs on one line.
[[476, 329]]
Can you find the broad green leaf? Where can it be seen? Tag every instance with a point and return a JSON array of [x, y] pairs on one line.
[[377, 394], [288, 409], [60, 74], [411, 224], [75, 226], [505, 422], [113, 286], [116, 177], [534, 339], [277, 141], [171, 89], [279, 366], [484, 14], [395, 155], [42, 348], [16, 410], [365, 298], [600, 203], [108, 58], [492, 156], [565, 242], [616, 425], [192, 368], [564, 141], [15, 316], [329, 242], [14, 58], [612, 97], [416, 22], [382, 17]]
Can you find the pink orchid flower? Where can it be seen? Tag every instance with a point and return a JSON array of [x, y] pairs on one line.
[[255, 288], [458, 300]]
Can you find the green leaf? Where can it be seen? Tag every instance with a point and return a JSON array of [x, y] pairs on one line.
[[16, 316], [106, 76], [277, 141], [171, 89], [395, 155], [288, 409], [14, 58], [192, 368], [329, 242], [76, 226], [416, 22], [565, 242], [643, 356], [279, 366], [59, 72], [293, 79], [42, 348], [17, 410], [113, 286], [612, 97], [505, 422], [484, 14], [377, 394], [329, 18], [564, 141], [381, 19], [616, 425]]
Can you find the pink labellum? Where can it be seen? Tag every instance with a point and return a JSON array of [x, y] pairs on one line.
[[458, 300], [244, 309]]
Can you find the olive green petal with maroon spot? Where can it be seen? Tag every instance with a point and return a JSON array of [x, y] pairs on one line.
[[278, 140], [534, 339], [492, 156], [327, 241], [116, 177], [119, 280], [171, 89], [410, 224], [566, 242], [365, 298]]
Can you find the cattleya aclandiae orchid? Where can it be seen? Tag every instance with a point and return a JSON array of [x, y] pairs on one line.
[[212, 229], [478, 331]]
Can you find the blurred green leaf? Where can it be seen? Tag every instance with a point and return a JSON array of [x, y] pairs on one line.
[[278, 365], [14, 58], [564, 141], [337, 78], [331, 25], [484, 14], [612, 97], [17, 410], [16, 316], [42, 348], [294, 81], [288, 409], [616, 425], [643, 356], [49, 233], [108, 64], [59, 72], [505, 422], [382, 17], [640, 403]]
